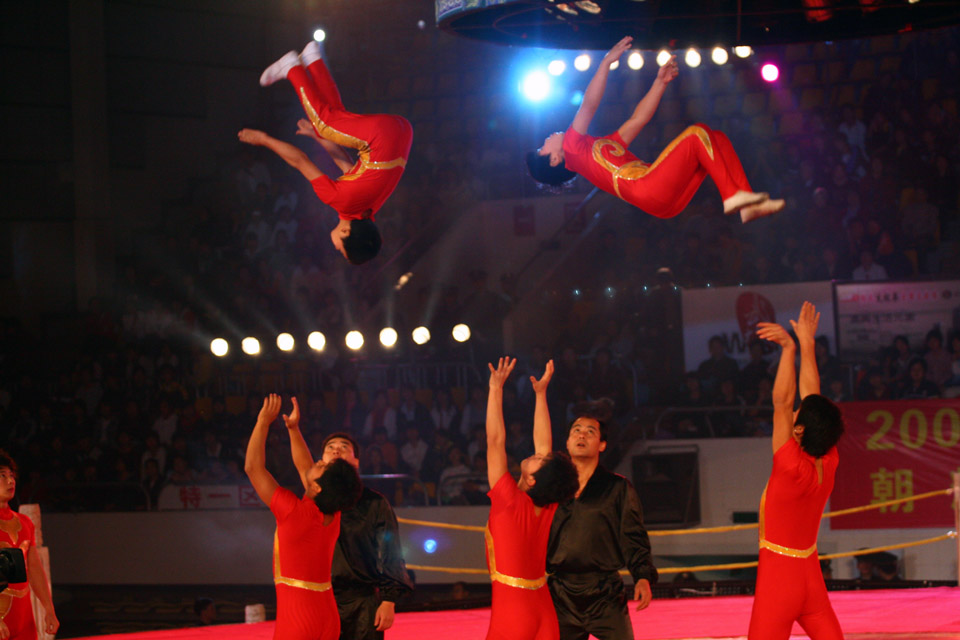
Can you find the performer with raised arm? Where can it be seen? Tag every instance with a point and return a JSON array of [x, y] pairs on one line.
[[790, 584], [663, 188], [17, 532], [382, 142], [520, 517], [307, 530]]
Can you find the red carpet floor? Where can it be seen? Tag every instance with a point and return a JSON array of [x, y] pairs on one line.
[[904, 614]]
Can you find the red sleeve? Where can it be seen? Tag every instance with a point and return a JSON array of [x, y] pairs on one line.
[[325, 188], [29, 533], [615, 136], [573, 141], [504, 492], [283, 503], [791, 460]]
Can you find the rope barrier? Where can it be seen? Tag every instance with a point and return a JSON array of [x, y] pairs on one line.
[[880, 505], [441, 525]]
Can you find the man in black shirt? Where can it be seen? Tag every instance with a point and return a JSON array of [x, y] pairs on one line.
[[592, 537]]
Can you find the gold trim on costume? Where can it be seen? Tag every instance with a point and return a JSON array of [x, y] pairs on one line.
[[637, 168], [344, 140], [292, 582], [12, 528], [773, 546], [510, 581]]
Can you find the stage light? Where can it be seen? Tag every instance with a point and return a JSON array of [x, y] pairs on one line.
[[769, 72], [610, 292], [421, 335], [536, 86], [421, 24], [319, 35], [285, 342], [581, 62], [429, 545], [556, 67], [614, 65], [663, 57], [635, 60], [719, 55], [743, 51], [576, 98], [388, 337], [250, 346], [354, 340], [692, 58], [461, 333], [316, 341], [219, 347]]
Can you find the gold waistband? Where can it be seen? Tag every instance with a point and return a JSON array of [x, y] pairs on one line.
[[787, 551], [519, 583], [303, 584], [15, 593]]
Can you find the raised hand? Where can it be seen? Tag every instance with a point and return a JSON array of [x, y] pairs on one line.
[[270, 410], [252, 136], [668, 71], [499, 375], [774, 333], [293, 420], [805, 326], [540, 386], [304, 128], [618, 50]]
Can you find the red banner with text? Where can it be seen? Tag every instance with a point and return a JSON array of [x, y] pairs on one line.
[[896, 450]]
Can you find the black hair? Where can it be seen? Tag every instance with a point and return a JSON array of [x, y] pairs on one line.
[[934, 333], [556, 480], [917, 360], [340, 487], [6, 460], [363, 243], [599, 410], [345, 436], [541, 171], [822, 424]]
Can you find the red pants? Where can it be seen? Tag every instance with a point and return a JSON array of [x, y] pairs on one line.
[[522, 614], [303, 614], [664, 188], [791, 590], [17, 613]]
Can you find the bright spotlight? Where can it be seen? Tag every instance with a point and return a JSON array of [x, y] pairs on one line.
[[769, 72], [581, 62], [429, 545], [388, 337], [250, 346], [614, 65], [556, 67], [743, 51], [316, 341], [692, 58], [719, 55], [635, 60], [576, 98], [354, 340], [319, 35], [663, 57], [219, 347], [461, 333], [536, 86], [285, 342], [421, 335]]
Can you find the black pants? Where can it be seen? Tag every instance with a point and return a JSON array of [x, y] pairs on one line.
[[593, 603], [357, 612]]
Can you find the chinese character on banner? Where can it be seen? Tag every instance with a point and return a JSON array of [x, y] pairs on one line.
[[249, 497], [892, 485], [190, 497]]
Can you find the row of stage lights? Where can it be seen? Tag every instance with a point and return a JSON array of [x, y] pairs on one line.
[[354, 340]]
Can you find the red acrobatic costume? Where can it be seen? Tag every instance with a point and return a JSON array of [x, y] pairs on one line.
[[302, 556], [790, 583], [516, 536], [382, 141], [16, 610], [664, 188]]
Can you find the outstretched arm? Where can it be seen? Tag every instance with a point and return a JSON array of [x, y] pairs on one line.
[[299, 451], [805, 327], [256, 462], [496, 431], [542, 434], [784, 385], [287, 152], [37, 578], [337, 154], [594, 93], [648, 105]]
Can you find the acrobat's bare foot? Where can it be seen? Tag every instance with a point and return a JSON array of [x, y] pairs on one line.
[[765, 208], [743, 199], [278, 70]]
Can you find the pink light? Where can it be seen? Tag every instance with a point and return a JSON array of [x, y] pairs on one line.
[[769, 72]]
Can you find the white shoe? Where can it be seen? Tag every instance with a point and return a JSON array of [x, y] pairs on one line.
[[742, 199], [279, 69], [311, 53], [765, 208]]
